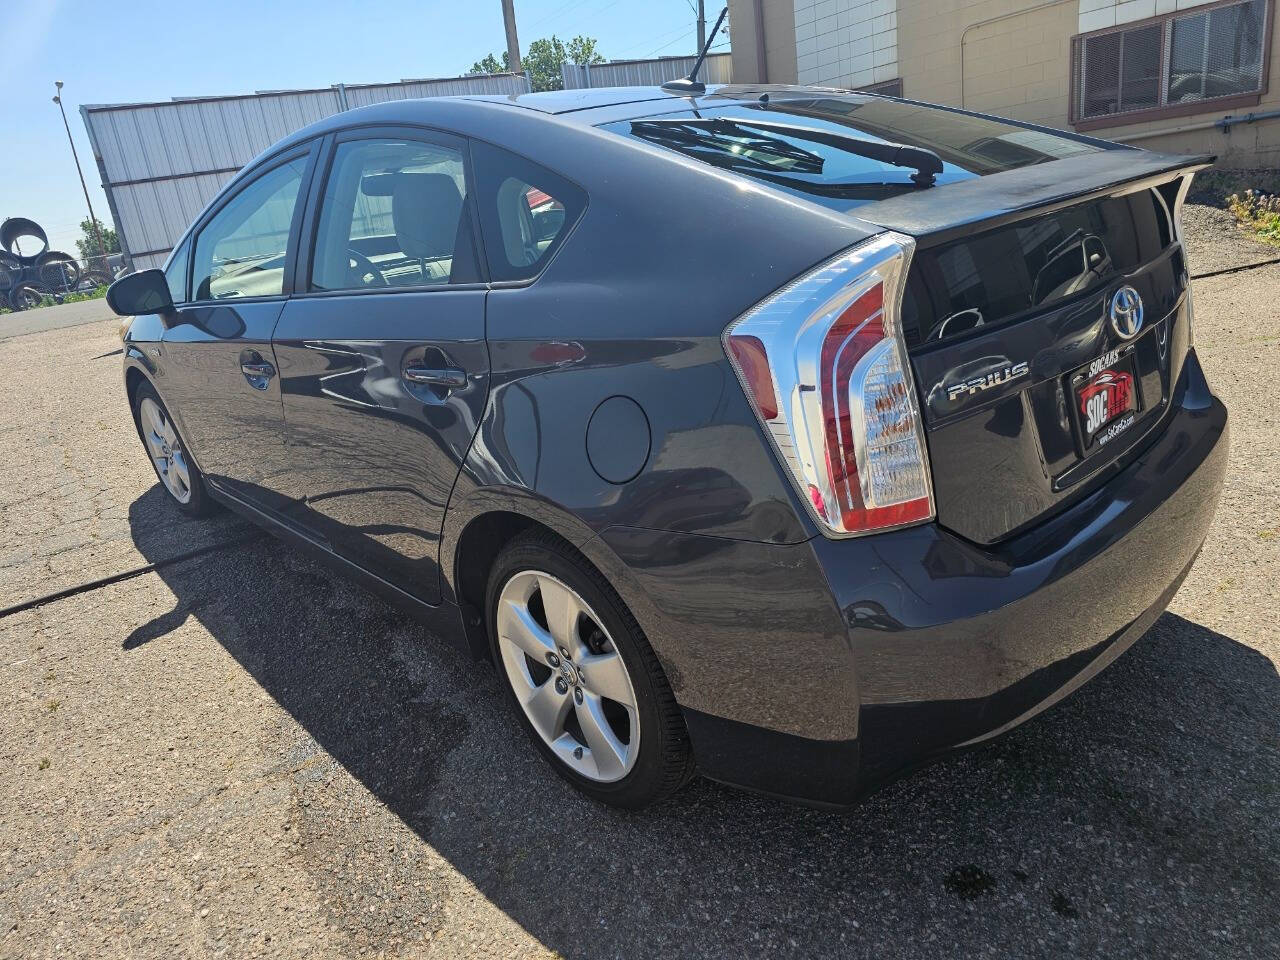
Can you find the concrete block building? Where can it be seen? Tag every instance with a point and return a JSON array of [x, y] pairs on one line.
[[1175, 75]]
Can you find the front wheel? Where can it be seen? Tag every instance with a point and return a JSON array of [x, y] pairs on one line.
[[174, 468], [586, 685]]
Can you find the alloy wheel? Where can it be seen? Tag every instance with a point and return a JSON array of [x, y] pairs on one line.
[[165, 448], [569, 677]]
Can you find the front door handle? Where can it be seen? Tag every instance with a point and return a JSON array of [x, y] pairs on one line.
[[258, 373], [449, 377]]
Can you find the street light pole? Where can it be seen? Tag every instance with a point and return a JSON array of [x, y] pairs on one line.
[[702, 25], [93, 221]]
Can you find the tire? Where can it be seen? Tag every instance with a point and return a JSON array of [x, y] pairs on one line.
[[93, 279], [10, 273], [655, 759], [25, 297], [178, 474], [57, 271]]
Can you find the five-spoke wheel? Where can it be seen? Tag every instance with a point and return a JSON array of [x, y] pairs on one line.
[[165, 449], [588, 687], [177, 472], [568, 676]]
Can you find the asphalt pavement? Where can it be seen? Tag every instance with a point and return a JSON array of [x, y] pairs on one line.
[[239, 754], [56, 317]]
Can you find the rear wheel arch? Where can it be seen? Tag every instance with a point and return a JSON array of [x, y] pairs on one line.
[[478, 546], [483, 538]]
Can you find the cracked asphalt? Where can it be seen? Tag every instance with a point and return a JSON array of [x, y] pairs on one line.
[[241, 755]]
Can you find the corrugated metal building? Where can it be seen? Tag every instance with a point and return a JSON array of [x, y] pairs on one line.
[[161, 163], [718, 68]]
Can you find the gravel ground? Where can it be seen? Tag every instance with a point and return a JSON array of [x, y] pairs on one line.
[[240, 755], [1216, 242]]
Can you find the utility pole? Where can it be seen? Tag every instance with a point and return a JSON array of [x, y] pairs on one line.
[[93, 221], [702, 24], [513, 44]]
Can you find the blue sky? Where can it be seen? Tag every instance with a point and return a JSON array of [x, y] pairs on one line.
[[142, 50]]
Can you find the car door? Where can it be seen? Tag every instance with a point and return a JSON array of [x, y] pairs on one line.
[[220, 373], [383, 363]]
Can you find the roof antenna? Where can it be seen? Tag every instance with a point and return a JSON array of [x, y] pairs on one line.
[[691, 85]]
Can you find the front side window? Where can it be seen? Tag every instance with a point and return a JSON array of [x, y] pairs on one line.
[[1182, 59], [241, 251], [526, 211], [393, 215]]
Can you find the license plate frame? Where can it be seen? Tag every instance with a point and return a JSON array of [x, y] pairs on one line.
[[1105, 396]]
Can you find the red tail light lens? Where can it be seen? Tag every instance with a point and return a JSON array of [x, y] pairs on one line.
[[825, 367], [748, 352]]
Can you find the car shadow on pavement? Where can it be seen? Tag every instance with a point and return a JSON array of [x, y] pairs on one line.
[[1137, 817]]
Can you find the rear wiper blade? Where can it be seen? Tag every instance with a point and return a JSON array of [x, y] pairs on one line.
[[854, 190], [926, 163], [694, 136]]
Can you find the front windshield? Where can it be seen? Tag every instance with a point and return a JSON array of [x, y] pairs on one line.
[[823, 159]]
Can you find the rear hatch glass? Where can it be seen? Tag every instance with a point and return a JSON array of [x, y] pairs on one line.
[[996, 276], [782, 149]]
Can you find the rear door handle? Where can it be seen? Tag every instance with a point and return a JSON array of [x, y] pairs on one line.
[[450, 377]]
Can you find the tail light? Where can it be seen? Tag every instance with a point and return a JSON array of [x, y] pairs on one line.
[[824, 365]]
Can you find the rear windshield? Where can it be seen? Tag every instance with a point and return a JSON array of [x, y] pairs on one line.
[[780, 147], [994, 277]]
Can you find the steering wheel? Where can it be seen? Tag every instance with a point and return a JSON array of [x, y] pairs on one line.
[[359, 262]]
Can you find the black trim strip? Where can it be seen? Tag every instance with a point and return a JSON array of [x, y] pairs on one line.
[[173, 176]]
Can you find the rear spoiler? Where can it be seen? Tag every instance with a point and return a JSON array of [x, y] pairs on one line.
[[945, 212]]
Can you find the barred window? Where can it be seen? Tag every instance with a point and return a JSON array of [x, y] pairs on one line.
[[1198, 55]]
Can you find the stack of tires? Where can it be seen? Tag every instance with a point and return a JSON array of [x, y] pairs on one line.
[[26, 279]]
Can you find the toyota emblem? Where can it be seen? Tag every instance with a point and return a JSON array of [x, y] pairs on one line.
[[1126, 312]]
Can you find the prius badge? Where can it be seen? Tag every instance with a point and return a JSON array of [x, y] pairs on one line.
[[995, 378]]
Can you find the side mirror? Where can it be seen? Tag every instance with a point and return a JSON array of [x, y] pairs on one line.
[[144, 292]]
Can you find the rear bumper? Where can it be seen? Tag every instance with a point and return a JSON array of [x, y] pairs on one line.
[[818, 671]]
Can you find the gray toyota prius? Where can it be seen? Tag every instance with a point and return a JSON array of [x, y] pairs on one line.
[[789, 436]]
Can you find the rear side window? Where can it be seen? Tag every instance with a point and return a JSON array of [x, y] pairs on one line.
[[394, 214], [526, 211]]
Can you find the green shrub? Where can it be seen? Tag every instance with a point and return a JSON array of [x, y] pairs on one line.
[[81, 295], [1258, 212]]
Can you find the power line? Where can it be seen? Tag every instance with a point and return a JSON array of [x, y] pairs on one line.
[[683, 36], [554, 13], [660, 36], [574, 4], [591, 16]]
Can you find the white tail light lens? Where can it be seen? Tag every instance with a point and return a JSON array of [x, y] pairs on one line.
[[824, 365]]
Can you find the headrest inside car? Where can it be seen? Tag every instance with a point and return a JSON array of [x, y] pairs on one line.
[[378, 184]]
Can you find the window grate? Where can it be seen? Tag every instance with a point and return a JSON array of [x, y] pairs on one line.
[[1187, 58]]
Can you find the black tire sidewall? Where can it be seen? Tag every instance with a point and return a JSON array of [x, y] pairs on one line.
[[200, 503], [648, 780]]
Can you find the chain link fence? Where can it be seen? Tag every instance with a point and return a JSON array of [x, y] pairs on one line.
[[32, 275]]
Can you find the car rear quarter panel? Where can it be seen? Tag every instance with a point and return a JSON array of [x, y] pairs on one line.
[[666, 255]]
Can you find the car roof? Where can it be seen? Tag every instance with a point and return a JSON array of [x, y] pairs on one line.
[[572, 101], [589, 107], [592, 104]]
